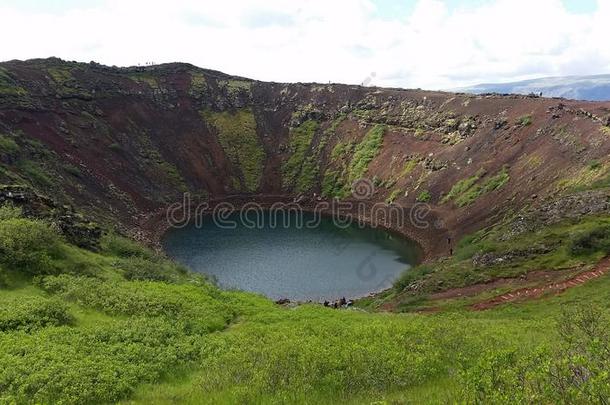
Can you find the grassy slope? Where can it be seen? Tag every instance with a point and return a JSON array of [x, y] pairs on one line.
[[124, 324]]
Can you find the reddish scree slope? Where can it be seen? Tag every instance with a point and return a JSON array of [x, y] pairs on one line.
[[131, 133]]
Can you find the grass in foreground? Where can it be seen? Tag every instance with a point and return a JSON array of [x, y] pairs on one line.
[[124, 324]]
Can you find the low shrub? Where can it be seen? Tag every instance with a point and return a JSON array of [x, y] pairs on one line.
[[116, 245], [28, 246], [573, 371], [138, 268], [191, 307], [33, 313], [595, 240], [9, 211]]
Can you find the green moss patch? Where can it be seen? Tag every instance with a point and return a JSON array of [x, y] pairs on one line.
[[238, 138], [298, 170], [467, 190], [365, 152], [199, 85], [462, 186]]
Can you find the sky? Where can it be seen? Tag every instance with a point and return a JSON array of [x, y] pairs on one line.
[[431, 44]]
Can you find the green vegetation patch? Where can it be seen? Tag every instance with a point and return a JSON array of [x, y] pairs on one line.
[[353, 160], [424, 196], [238, 138], [467, 190], [365, 152], [31, 313], [462, 186], [8, 86], [8, 146], [235, 87], [199, 84], [393, 196], [34, 172], [299, 170], [145, 78], [525, 120]]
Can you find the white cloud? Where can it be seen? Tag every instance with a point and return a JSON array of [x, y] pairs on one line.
[[320, 40]]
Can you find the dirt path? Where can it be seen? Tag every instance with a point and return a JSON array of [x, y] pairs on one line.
[[599, 270]]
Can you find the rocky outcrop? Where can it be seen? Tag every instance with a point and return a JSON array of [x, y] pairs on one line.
[[74, 226], [553, 211]]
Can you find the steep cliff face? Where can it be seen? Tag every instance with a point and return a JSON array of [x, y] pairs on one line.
[[123, 142]]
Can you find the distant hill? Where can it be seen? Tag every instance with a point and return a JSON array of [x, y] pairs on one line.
[[594, 88]]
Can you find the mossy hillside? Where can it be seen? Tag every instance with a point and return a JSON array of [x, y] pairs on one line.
[[595, 176], [8, 86], [235, 88], [8, 146], [570, 244], [146, 79], [334, 183], [237, 136], [199, 84], [467, 190], [351, 161], [63, 82], [152, 162], [365, 152], [300, 170], [27, 161], [462, 186]]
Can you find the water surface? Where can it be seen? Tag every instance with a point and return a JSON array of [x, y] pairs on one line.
[[296, 262]]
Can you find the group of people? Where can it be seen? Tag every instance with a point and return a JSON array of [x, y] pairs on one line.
[[341, 303]]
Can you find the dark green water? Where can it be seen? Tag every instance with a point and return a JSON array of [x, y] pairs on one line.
[[296, 262]]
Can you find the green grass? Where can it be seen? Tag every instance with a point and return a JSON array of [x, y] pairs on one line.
[[238, 138], [126, 324]]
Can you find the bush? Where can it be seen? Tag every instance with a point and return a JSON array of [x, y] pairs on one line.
[[28, 245], [96, 363], [191, 307], [573, 371], [9, 211], [595, 240], [33, 313]]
